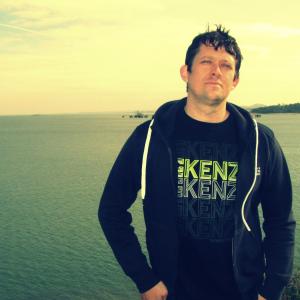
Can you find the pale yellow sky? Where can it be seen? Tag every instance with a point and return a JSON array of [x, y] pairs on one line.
[[63, 56]]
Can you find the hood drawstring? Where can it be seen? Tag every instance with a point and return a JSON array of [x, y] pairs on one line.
[[144, 163], [255, 175], [144, 167]]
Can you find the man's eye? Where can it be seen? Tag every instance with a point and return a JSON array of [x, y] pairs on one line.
[[227, 66], [205, 62]]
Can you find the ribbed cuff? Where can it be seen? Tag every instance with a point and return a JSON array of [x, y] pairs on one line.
[[272, 289], [145, 280]]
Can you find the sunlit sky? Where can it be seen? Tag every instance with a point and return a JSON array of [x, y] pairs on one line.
[[67, 56]]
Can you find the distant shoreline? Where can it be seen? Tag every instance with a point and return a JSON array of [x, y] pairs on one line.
[[280, 108], [272, 109]]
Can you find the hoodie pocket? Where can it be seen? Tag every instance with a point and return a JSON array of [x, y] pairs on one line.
[[250, 255], [162, 249]]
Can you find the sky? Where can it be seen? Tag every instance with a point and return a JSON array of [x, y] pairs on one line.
[[66, 56]]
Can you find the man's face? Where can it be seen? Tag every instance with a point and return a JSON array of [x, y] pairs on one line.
[[212, 76]]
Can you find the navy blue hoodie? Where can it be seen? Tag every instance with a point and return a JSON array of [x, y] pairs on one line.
[[261, 263]]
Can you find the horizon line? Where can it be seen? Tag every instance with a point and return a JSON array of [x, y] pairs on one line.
[[124, 111]]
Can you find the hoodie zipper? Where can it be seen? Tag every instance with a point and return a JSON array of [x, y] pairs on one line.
[[170, 154], [233, 251], [234, 264]]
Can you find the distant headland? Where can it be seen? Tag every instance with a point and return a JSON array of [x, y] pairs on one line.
[[256, 109], [279, 108]]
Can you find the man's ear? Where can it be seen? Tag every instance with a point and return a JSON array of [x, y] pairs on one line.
[[235, 83], [184, 73]]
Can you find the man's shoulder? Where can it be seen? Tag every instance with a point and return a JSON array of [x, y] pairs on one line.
[[267, 139], [139, 134], [162, 113], [265, 130], [142, 128]]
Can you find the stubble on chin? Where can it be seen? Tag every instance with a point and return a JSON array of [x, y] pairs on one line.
[[209, 101], [205, 98]]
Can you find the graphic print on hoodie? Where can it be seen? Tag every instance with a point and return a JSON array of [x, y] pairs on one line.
[[207, 168]]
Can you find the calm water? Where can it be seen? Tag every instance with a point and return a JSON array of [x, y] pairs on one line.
[[53, 169]]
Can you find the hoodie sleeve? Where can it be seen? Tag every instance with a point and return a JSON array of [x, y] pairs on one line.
[[279, 223], [119, 193]]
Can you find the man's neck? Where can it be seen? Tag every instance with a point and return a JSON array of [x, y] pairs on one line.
[[206, 113]]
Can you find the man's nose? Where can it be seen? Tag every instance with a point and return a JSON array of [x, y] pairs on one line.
[[215, 70]]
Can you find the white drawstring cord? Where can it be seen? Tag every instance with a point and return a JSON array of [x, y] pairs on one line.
[[255, 174], [144, 163]]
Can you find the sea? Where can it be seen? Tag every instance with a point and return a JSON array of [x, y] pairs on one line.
[[52, 173]]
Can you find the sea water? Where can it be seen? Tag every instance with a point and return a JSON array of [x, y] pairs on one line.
[[53, 170]]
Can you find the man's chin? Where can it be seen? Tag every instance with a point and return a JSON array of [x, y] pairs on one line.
[[209, 99], [215, 101]]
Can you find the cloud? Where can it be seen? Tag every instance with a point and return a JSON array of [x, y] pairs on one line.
[[18, 28], [270, 29], [36, 18], [261, 50], [47, 14]]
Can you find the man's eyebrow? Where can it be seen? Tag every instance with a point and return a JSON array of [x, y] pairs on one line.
[[211, 57]]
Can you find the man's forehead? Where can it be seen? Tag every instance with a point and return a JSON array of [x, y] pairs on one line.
[[211, 52]]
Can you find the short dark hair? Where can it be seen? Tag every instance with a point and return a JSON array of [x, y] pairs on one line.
[[218, 38]]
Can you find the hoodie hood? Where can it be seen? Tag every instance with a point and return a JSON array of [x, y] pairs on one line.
[[165, 118], [164, 121]]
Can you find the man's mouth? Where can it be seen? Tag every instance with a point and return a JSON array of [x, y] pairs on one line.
[[213, 83]]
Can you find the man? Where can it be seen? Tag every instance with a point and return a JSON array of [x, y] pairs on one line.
[[203, 166]]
